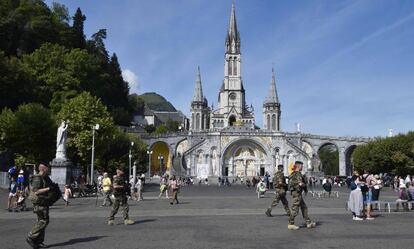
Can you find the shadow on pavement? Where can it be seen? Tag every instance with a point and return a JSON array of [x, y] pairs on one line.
[[144, 221], [77, 240]]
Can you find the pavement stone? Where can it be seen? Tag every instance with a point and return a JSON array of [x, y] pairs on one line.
[[210, 217]]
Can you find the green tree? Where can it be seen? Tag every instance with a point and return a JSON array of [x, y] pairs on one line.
[[329, 159], [161, 129], [77, 29], [83, 112], [172, 126], [15, 86], [150, 128], [26, 25], [7, 132], [30, 132], [116, 154], [59, 73], [136, 104], [394, 154]]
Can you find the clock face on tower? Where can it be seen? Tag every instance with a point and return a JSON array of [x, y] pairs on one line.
[[232, 96]]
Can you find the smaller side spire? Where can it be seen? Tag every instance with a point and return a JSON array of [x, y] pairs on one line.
[[198, 91], [272, 97]]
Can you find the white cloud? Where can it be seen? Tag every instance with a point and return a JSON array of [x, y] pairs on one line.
[[132, 80]]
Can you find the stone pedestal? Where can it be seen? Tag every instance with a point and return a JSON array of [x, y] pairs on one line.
[[61, 171]]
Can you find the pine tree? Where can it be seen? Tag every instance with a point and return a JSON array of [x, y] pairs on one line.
[[77, 27]]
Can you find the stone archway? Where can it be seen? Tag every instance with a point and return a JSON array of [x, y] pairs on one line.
[[160, 158], [245, 157], [348, 160], [328, 154], [179, 163]]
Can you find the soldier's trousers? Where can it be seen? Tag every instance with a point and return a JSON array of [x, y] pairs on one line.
[[297, 202], [281, 196], [37, 234], [120, 201], [107, 198]]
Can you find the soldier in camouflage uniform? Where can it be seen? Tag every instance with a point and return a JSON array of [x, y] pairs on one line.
[[120, 188], [40, 187], [296, 187], [280, 189]]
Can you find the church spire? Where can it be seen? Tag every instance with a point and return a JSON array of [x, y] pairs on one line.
[[233, 36], [272, 97], [198, 91]]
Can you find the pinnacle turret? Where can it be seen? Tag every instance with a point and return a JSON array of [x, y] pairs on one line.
[[272, 97], [198, 90]]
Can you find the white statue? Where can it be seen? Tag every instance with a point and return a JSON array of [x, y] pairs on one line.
[[214, 162], [61, 140]]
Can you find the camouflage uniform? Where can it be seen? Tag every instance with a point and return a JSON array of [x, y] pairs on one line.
[[37, 234], [120, 199], [280, 189], [296, 190]]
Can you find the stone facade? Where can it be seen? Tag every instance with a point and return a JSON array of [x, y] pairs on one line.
[[225, 141]]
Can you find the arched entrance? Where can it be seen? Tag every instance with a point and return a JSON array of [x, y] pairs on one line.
[[349, 167], [160, 158], [329, 157], [232, 120], [244, 157]]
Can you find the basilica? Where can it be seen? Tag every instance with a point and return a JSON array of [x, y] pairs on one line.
[[224, 141]]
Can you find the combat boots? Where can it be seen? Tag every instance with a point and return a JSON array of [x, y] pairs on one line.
[[268, 212], [293, 227], [111, 222], [128, 222], [311, 225]]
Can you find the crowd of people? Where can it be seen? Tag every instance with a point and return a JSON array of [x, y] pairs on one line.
[[366, 189], [18, 188]]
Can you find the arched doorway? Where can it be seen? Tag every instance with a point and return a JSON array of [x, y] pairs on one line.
[[349, 167], [232, 120], [245, 157], [329, 157], [179, 161], [160, 158]]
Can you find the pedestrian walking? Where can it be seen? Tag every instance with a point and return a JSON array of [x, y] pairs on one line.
[[164, 187], [106, 188], [280, 191], [175, 187], [120, 187], [296, 186], [67, 194], [139, 185], [261, 189], [41, 185]]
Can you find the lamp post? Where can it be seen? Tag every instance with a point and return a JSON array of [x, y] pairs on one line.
[[149, 152], [95, 127], [130, 159], [161, 158]]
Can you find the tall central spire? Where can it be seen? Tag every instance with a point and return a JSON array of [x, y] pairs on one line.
[[233, 36]]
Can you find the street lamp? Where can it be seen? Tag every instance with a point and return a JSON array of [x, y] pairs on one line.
[[95, 127], [149, 152], [161, 158], [130, 158]]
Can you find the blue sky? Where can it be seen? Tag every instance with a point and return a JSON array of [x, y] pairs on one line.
[[342, 68]]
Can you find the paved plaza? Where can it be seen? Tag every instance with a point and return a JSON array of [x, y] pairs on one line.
[[210, 217]]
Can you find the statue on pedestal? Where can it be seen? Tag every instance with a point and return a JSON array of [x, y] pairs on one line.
[[61, 166], [61, 140]]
